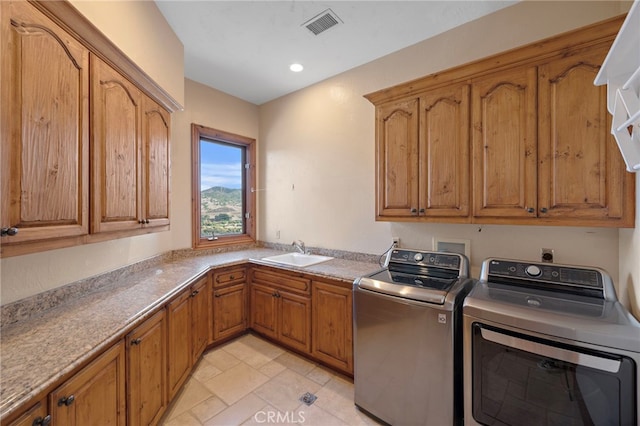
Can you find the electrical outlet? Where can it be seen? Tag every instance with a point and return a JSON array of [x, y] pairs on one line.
[[546, 255], [277, 235], [396, 242]]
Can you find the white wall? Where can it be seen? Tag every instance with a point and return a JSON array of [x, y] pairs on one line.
[[317, 162]]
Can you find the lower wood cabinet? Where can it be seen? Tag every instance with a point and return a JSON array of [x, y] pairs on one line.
[[37, 415], [188, 323], [200, 316], [332, 338], [147, 371], [281, 308], [95, 395], [229, 303], [312, 316]]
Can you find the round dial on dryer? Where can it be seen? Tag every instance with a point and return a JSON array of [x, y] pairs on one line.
[[533, 271], [418, 257]]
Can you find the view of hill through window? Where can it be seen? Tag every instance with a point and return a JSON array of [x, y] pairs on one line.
[[221, 192]]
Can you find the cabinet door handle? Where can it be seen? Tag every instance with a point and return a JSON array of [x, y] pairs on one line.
[[421, 211], [216, 295], [543, 210], [66, 400], [42, 421], [414, 211], [194, 293], [8, 232], [530, 210], [135, 342]]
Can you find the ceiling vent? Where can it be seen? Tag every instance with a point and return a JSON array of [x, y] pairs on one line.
[[322, 22]]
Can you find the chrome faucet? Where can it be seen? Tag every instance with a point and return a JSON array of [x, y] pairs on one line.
[[299, 246]]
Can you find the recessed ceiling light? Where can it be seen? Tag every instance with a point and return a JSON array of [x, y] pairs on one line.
[[296, 67]]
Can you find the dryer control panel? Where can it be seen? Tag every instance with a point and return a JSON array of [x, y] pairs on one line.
[[560, 278]]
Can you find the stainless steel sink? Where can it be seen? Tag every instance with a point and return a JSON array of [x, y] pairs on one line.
[[297, 259]]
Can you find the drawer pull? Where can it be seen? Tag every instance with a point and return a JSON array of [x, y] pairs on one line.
[[66, 400], [135, 342], [11, 231], [42, 421], [216, 295]]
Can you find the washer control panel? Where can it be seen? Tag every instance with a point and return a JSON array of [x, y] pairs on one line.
[[425, 258], [544, 272]]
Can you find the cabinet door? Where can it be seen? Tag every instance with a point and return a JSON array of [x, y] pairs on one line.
[[444, 152], [229, 311], [115, 177], [147, 371], [294, 320], [397, 159], [44, 127], [94, 396], [155, 163], [581, 172], [333, 325], [180, 341], [200, 316], [264, 314], [504, 144]]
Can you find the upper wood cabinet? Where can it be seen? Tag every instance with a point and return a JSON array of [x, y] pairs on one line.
[[581, 174], [423, 155], [526, 130], [156, 133], [55, 192], [116, 142], [397, 158], [444, 153], [44, 126], [504, 144]]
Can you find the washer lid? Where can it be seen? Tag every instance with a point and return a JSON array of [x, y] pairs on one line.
[[408, 286]]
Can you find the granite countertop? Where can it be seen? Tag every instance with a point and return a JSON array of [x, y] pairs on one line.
[[37, 352]]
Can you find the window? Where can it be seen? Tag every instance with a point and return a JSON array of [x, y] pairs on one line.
[[222, 187]]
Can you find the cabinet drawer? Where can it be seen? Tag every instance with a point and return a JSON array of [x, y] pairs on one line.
[[229, 276], [288, 282]]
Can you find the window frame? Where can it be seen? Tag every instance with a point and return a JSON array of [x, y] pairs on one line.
[[199, 132]]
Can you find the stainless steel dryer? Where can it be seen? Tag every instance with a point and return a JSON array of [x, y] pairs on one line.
[[407, 338], [548, 344]]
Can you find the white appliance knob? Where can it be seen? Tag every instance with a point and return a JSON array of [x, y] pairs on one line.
[[533, 271], [418, 257]]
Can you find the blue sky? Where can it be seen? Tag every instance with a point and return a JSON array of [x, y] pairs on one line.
[[221, 165]]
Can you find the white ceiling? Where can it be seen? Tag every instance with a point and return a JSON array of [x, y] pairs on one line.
[[244, 48]]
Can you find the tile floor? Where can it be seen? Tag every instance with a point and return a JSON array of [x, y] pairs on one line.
[[250, 381]]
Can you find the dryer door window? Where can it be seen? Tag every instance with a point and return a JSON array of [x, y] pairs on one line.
[[521, 380]]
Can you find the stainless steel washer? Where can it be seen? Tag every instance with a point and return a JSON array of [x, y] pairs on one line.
[[407, 338], [548, 344]]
